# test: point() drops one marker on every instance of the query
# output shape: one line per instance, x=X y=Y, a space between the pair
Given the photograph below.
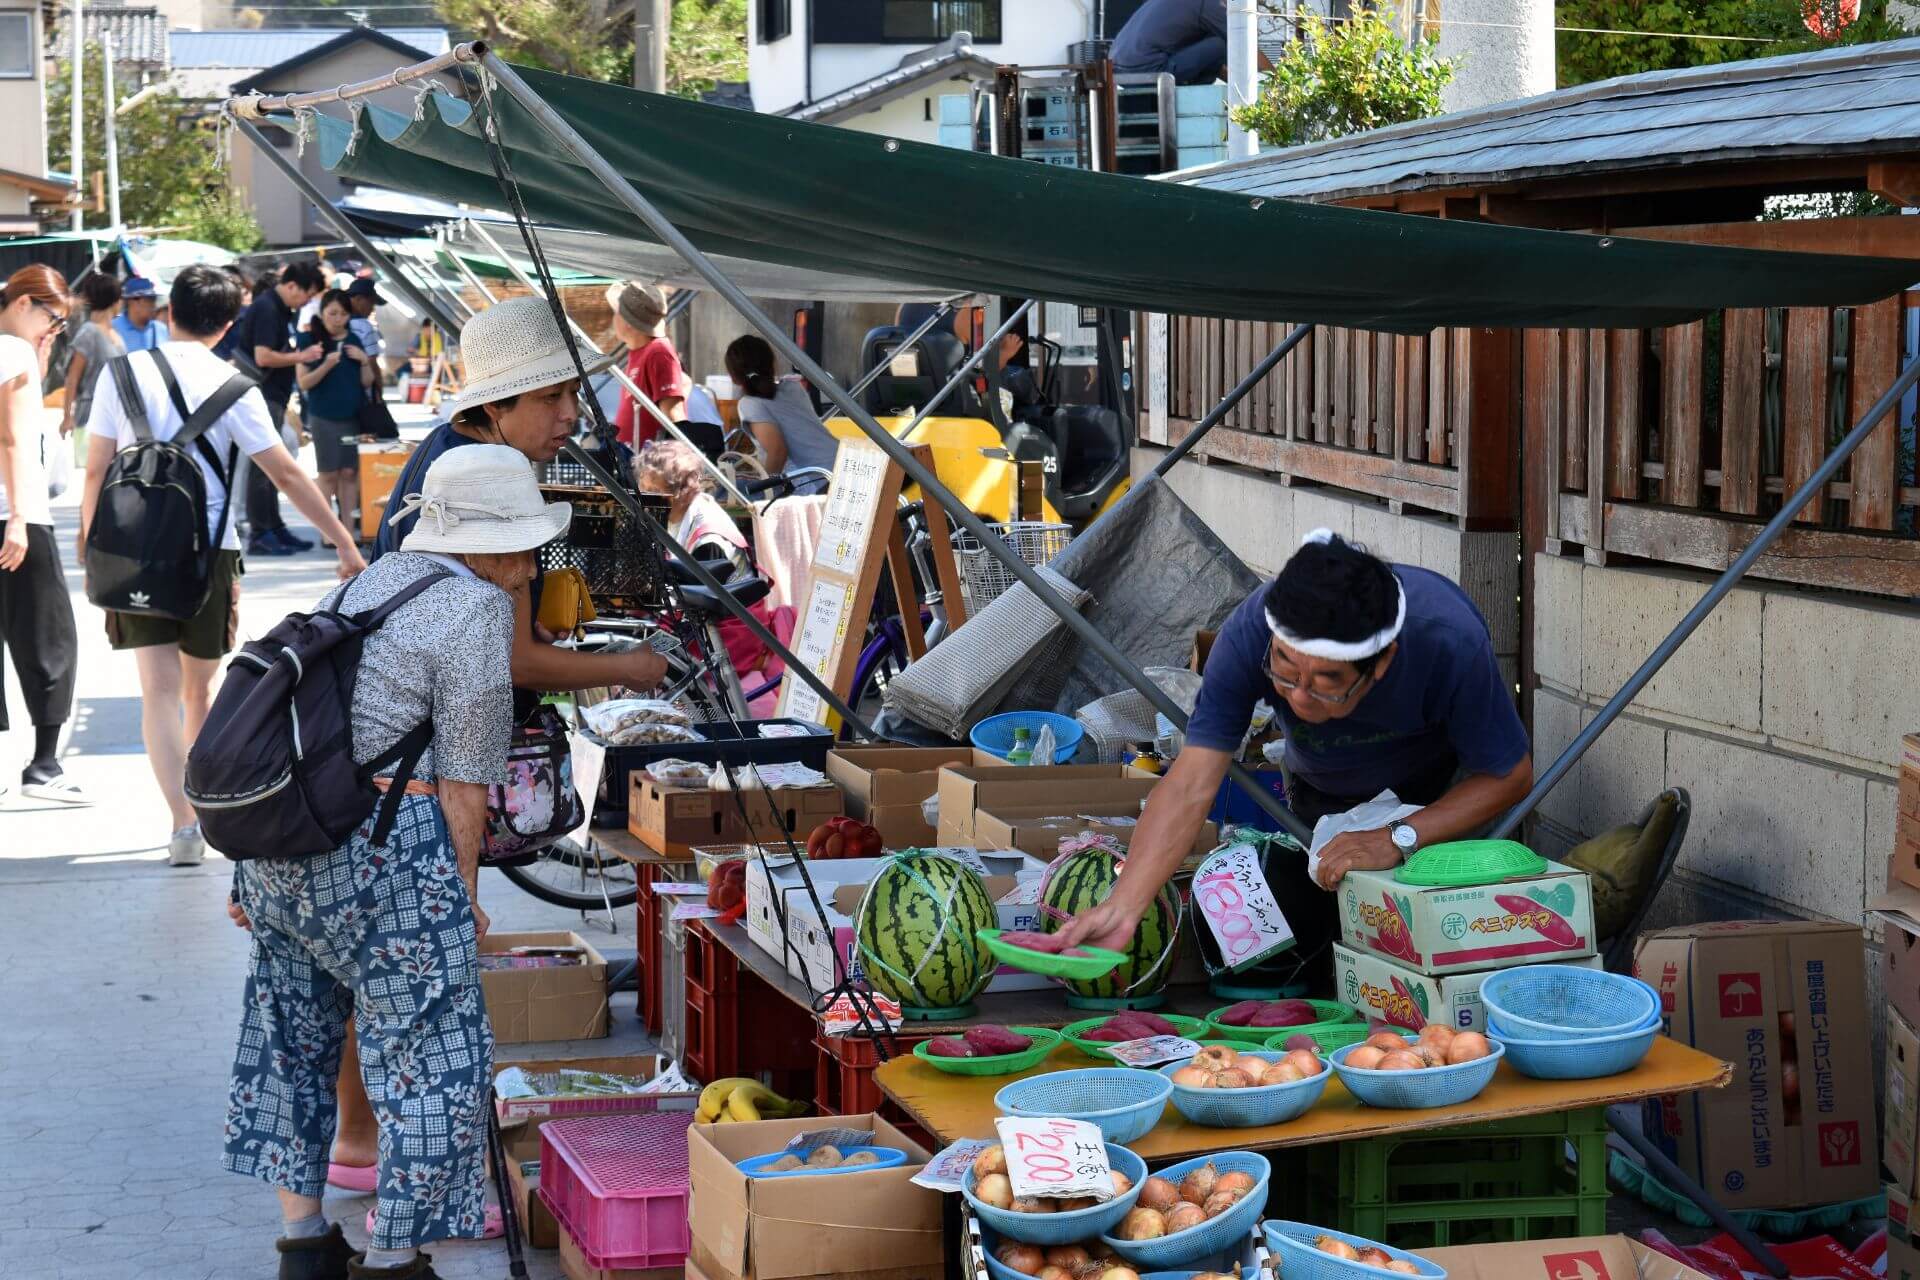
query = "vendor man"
x=1385 y=678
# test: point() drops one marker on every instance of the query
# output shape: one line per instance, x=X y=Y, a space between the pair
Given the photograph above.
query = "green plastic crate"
x=1478 y=1184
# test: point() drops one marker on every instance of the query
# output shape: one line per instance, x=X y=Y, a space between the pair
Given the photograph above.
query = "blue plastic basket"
x=1575 y=1059
x=756 y=1166
x=1557 y=1001
x=1124 y=1103
x=1064 y=1228
x=1189 y=1247
x=995 y=733
x=1245 y=1108
x=1291 y=1244
x=1418 y=1089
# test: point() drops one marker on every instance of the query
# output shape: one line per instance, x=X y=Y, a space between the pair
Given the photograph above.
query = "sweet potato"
x=1241 y=1015
x=1157 y=1024
x=1032 y=941
x=1108 y=1034
x=949 y=1047
x=992 y=1041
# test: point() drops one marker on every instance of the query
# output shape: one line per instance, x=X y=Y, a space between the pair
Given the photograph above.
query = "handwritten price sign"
x=1055 y=1158
x=1230 y=891
x=1153 y=1050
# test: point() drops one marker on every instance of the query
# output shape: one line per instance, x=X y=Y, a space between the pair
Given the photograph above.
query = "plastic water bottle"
x=1022 y=752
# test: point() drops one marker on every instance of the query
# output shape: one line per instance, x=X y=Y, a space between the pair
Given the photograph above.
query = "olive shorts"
x=209 y=633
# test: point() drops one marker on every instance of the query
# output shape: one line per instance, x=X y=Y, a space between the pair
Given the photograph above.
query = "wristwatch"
x=1404 y=838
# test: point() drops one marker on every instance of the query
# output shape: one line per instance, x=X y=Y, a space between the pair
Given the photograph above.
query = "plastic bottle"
x=1141 y=755
x=1022 y=752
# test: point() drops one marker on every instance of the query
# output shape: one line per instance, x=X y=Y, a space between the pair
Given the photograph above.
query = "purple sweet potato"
x=1108 y=1034
x=1159 y=1025
x=1285 y=1013
x=1241 y=1015
x=949 y=1047
x=1047 y=942
x=992 y=1041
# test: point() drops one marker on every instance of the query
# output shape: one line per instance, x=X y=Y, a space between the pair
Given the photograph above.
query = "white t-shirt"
x=19 y=359
x=200 y=374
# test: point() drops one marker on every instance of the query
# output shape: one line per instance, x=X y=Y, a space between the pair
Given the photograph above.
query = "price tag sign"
x=1153 y=1050
x=677 y=889
x=695 y=911
x=842 y=1016
x=1232 y=896
x=1055 y=1158
x=947 y=1171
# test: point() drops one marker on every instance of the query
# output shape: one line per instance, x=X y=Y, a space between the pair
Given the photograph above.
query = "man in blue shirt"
x=136 y=324
x=1384 y=677
x=1186 y=38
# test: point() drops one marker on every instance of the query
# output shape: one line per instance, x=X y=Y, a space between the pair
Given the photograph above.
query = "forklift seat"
x=913 y=375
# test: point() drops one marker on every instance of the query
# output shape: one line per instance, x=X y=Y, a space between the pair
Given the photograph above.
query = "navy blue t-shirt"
x=1443 y=690
x=1161 y=28
x=438 y=441
x=338 y=395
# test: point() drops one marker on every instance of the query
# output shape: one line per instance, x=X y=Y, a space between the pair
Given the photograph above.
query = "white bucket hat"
x=481 y=499
x=511 y=348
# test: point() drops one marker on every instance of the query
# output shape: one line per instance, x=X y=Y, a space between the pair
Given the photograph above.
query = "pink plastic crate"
x=618 y=1184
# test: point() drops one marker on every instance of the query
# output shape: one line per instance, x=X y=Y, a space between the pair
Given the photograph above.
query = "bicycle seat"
x=747 y=591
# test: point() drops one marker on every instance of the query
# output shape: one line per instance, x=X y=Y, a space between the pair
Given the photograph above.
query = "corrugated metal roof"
x=256 y=50
x=139 y=34
x=1860 y=99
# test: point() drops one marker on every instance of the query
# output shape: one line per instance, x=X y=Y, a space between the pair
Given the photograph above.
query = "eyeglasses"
x=1285 y=685
x=59 y=318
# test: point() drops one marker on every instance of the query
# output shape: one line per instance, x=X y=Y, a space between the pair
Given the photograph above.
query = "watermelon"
x=1081 y=881
x=916 y=929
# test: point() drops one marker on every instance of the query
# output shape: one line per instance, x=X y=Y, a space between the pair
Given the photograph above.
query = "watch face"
x=1404 y=836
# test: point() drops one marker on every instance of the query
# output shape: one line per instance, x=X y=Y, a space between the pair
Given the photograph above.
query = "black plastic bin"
x=722 y=743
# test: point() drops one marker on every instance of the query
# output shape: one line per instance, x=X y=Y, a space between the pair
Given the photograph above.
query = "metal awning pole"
x=926 y=327
x=1219 y=412
x=429 y=308
x=572 y=449
x=930 y=485
x=619 y=375
x=965 y=371
x=1790 y=507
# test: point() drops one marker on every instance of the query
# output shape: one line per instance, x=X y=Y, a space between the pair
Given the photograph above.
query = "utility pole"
x=1243 y=72
x=113 y=141
x=652 y=20
x=75 y=125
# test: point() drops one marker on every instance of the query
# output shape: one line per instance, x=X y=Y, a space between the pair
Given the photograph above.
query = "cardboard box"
x=674 y=820
x=575 y=1265
x=1066 y=787
x=1899 y=1214
x=1900 y=1139
x=1904 y=865
x=1437 y=931
x=778 y=873
x=537 y=1222
x=785 y=1228
x=1899 y=909
x=1013 y=883
x=521 y=1118
x=1766 y=996
x=530 y=1005
x=1201 y=651
x=1037 y=829
x=1587 y=1258
x=886 y=786
x=1379 y=988
x=1903 y=1260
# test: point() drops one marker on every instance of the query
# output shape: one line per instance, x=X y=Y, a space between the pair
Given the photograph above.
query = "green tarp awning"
x=835 y=200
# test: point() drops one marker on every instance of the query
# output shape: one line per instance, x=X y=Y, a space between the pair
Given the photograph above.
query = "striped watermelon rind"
x=1083 y=880
x=916 y=930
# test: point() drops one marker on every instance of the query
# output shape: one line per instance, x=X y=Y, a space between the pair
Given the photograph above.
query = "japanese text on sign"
x=948 y=1170
x=1055 y=1158
x=1230 y=891
x=1153 y=1050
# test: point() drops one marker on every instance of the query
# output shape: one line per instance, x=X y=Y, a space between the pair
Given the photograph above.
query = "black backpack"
x=272 y=773
x=147 y=550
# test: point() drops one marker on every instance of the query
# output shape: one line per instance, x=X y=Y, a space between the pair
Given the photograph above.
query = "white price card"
x=1153 y=1050
x=947 y=1171
x=678 y=889
x=1055 y=1158
x=843 y=1016
x=695 y=911
x=589 y=761
x=1231 y=893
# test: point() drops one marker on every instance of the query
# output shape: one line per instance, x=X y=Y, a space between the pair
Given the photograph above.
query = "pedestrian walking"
x=36 y=614
x=377 y=943
x=266 y=341
x=364 y=296
x=94 y=343
x=178 y=658
x=138 y=324
x=334 y=385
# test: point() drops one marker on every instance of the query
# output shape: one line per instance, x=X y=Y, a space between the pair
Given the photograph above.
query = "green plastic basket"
x=1098 y=962
x=1194 y=1029
x=1331 y=1035
x=1469 y=862
x=1330 y=1011
x=1045 y=1041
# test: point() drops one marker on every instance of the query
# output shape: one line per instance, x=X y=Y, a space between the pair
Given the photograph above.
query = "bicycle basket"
x=624 y=567
x=983 y=578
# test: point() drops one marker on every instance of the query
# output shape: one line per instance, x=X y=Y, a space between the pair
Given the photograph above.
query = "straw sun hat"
x=482 y=499
x=509 y=349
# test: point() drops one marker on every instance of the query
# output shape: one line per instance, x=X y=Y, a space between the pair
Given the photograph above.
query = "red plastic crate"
x=710 y=966
x=712 y=1050
x=619 y=1186
x=843 y=1075
x=648 y=942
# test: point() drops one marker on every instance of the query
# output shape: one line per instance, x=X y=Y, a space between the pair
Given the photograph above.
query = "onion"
x=1219 y=1202
x=1075 y=1204
x=1185 y=1215
x=1235 y=1181
x=1437 y=1033
x=1119 y=1273
x=1024 y=1258
x=1032 y=1204
x=1141 y=1224
x=1252 y=1063
x=994 y=1189
x=1070 y=1256
x=1198 y=1185
x=1233 y=1078
x=1056 y=1273
x=1308 y=1063
x=1403 y=1060
x=1216 y=1057
x=992 y=1160
x=1375 y=1257
x=1158 y=1194
x=1337 y=1247
x=1365 y=1058
x=1281 y=1073
x=1193 y=1077
x=1387 y=1041
x=1468 y=1046
x=1403 y=1266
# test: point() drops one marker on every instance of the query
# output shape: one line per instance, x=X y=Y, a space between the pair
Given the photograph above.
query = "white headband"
x=1342 y=650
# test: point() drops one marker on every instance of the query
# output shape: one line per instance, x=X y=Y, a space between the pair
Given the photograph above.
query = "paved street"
x=121 y=999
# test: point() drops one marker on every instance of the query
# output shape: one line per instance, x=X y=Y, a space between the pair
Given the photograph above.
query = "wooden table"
x=950 y=1107
x=627 y=847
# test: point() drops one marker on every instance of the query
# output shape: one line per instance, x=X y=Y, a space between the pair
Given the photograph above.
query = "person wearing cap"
x=135 y=324
x=392 y=932
x=640 y=321
x=1384 y=677
x=363 y=297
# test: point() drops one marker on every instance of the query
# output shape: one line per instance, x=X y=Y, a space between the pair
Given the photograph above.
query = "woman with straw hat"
x=390 y=934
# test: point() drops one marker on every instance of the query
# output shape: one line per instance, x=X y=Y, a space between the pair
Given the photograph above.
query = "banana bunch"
x=738 y=1099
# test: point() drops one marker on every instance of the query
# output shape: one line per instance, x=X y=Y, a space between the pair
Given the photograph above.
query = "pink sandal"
x=493 y=1229
x=361 y=1179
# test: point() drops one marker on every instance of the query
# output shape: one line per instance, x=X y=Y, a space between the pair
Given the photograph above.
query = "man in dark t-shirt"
x=265 y=342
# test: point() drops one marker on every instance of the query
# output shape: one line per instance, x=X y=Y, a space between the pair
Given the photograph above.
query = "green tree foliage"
x=707 y=42
x=169 y=163
x=1585 y=55
x=1342 y=78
